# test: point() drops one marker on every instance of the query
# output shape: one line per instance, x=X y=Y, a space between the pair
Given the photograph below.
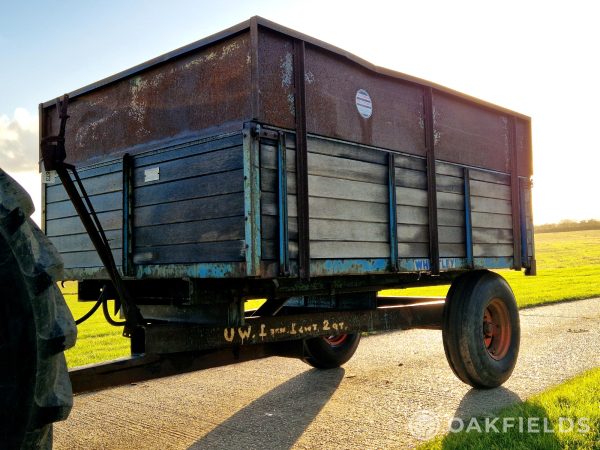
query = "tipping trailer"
x=260 y=163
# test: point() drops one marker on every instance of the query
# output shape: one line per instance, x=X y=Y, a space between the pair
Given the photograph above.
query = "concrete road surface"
x=396 y=389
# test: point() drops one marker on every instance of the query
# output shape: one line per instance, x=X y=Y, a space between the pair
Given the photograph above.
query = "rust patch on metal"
x=200 y=90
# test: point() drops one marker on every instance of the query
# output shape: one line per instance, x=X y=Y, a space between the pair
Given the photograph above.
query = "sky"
x=538 y=58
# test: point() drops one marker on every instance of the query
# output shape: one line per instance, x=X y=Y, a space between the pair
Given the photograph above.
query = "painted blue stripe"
x=468 y=222
x=282 y=210
x=348 y=266
x=504 y=262
x=199 y=270
x=393 y=220
x=251 y=152
x=522 y=218
x=324 y=267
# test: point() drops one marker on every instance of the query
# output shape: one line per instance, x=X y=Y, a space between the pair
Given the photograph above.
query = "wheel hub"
x=336 y=340
x=496 y=329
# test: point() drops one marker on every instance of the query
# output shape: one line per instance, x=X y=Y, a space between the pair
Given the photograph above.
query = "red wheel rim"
x=336 y=341
x=496 y=329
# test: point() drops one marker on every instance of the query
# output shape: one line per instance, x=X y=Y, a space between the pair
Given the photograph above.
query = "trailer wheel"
x=329 y=352
x=35 y=327
x=481 y=330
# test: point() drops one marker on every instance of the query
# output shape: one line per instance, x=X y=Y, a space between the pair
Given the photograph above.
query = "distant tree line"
x=568 y=225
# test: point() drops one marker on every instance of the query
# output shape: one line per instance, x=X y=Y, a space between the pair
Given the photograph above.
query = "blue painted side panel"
x=282 y=209
x=348 y=266
x=201 y=270
x=393 y=208
x=468 y=219
x=251 y=152
x=523 y=225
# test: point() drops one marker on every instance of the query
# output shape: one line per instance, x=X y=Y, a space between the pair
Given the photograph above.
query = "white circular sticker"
x=364 y=103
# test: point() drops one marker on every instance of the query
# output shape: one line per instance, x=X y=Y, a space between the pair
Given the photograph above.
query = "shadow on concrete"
x=489 y=403
x=289 y=409
x=478 y=402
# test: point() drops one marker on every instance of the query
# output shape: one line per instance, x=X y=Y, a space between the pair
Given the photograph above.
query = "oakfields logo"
x=425 y=424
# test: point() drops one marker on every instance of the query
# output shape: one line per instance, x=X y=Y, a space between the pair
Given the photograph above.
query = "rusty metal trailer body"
x=262 y=163
x=183 y=158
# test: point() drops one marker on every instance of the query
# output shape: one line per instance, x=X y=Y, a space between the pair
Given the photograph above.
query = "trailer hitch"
x=53 y=156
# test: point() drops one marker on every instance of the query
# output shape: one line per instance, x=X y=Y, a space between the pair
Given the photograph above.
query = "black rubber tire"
x=319 y=353
x=36 y=327
x=467 y=300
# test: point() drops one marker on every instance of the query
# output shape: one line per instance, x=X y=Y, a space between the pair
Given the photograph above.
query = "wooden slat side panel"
x=112 y=220
x=413 y=250
x=490 y=177
x=348 y=201
x=86 y=259
x=209 y=230
x=269 y=250
x=96 y=185
x=450 y=184
x=111 y=201
x=410 y=162
x=269 y=206
x=412 y=215
x=346 y=150
x=490 y=190
x=346 y=231
x=451 y=201
x=491 y=205
x=411 y=197
x=268 y=181
x=413 y=233
x=528 y=220
x=103 y=184
x=194 y=211
x=222 y=206
x=193 y=166
x=269 y=227
x=334 y=167
x=194 y=148
x=82 y=242
x=341 y=249
x=451 y=218
x=326 y=187
x=190 y=253
x=492 y=236
x=492 y=250
x=452 y=250
x=410 y=178
x=190 y=188
x=488 y=220
x=268 y=158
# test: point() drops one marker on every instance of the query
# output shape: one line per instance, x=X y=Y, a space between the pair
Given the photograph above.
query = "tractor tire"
x=36 y=327
x=330 y=352
x=481 y=330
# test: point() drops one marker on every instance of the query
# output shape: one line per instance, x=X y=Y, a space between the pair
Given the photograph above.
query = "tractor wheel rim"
x=337 y=340
x=496 y=329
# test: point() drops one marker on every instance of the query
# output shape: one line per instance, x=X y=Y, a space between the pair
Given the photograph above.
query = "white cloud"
x=19 y=141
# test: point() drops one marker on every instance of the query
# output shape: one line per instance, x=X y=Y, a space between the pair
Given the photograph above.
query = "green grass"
x=96 y=340
x=568 y=269
x=576 y=399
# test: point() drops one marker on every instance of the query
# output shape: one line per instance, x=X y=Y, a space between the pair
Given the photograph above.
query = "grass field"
x=577 y=400
x=568 y=269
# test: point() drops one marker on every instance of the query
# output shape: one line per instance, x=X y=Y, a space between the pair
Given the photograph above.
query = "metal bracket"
x=54 y=155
